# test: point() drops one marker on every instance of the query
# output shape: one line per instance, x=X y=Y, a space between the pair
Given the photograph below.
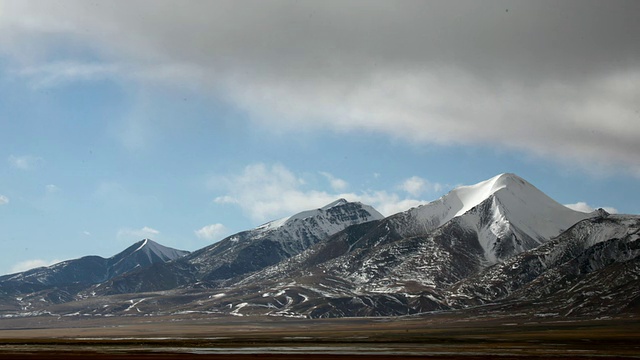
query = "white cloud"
x=580 y=206
x=268 y=192
x=145 y=232
x=385 y=202
x=416 y=186
x=32 y=264
x=24 y=162
x=211 y=232
x=586 y=208
x=413 y=185
x=4 y=200
x=86 y=233
x=336 y=183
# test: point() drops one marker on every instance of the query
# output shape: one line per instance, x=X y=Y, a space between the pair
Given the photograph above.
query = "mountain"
x=414 y=256
x=141 y=255
x=247 y=251
x=508 y=214
x=406 y=263
x=592 y=268
x=500 y=248
x=61 y=280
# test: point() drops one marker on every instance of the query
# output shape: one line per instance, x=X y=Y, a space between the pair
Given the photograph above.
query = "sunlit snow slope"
x=498 y=209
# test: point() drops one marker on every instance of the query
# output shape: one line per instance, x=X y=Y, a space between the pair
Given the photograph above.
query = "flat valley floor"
x=435 y=336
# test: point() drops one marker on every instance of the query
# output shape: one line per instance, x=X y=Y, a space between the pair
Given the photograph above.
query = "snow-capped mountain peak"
x=151 y=247
x=266 y=245
x=334 y=206
x=141 y=254
x=519 y=218
x=512 y=189
x=505 y=207
x=460 y=200
x=149 y=250
x=532 y=210
x=467 y=197
x=142 y=245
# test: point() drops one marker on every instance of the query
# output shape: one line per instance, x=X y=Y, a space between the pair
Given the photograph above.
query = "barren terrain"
x=439 y=336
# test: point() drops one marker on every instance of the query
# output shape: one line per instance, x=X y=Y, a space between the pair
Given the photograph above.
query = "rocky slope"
x=63 y=281
x=501 y=246
x=220 y=264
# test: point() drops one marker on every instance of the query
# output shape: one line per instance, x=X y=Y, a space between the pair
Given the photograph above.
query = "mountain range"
x=501 y=246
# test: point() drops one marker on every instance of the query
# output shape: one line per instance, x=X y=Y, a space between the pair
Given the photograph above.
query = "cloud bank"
x=266 y=192
x=211 y=232
x=586 y=208
x=416 y=186
x=556 y=80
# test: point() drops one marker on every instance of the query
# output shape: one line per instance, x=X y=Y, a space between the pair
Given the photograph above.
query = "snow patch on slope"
x=272 y=225
x=144 y=243
x=460 y=200
x=150 y=247
x=467 y=197
x=538 y=215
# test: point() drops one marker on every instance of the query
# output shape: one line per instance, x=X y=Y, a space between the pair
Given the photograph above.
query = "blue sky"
x=130 y=119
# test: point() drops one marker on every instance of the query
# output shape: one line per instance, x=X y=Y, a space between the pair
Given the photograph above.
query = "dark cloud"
x=526 y=39
x=556 y=78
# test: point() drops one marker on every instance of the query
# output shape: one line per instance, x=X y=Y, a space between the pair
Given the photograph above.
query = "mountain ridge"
x=248 y=251
x=501 y=241
x=60 y=281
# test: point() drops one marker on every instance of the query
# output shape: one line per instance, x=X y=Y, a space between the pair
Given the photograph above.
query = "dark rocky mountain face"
x=141 y=255
x=500 y=245
x=62 y=282
x=592 y=268
x=407 y=262
x=222 y=263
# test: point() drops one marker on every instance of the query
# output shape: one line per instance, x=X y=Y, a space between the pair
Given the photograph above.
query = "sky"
x=188 y=121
